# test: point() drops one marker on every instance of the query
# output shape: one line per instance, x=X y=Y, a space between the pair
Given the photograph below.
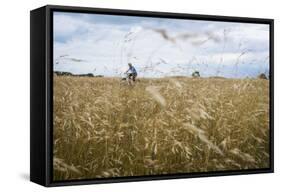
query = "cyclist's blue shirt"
x=133 y=70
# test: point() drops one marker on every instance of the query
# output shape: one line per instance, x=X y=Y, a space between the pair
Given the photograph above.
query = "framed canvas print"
x=123 y=95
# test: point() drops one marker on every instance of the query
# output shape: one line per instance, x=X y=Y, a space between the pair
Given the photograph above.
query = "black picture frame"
x=41 y=93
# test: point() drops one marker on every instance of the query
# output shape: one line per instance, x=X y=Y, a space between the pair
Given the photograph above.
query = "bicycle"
x=129 y=79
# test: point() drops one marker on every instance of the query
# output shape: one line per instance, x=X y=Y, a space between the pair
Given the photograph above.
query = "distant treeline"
x=194 y=75
x=61 y=73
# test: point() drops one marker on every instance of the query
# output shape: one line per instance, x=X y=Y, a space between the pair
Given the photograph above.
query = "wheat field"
x=158 y=126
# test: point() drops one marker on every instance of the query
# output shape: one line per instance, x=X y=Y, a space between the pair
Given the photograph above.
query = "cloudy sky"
x=157 y=47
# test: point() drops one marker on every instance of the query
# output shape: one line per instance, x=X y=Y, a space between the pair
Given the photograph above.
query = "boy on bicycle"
x=132 y=72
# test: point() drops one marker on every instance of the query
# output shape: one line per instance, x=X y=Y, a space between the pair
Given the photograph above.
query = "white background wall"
x=14 y=94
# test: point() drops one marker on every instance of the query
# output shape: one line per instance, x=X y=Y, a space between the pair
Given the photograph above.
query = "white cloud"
x=106 y=48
